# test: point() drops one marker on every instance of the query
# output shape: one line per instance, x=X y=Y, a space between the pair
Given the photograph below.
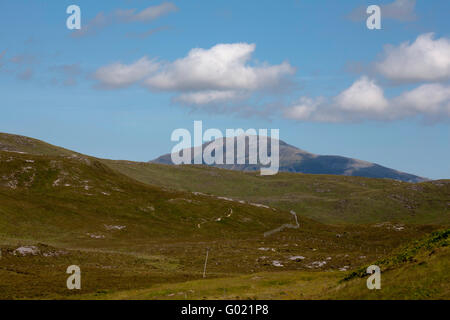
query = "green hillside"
x=325 y=198
x=22 y=144
x=70 y=196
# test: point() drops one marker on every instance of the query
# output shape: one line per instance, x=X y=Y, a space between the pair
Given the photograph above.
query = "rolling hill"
x=326 y=198
x=22 y=144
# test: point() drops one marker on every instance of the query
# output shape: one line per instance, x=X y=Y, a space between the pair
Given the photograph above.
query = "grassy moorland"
x=416 y=271
x=325 y=198
x=134 y=237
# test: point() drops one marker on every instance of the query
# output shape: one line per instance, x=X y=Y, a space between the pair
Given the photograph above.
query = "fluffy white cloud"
x=220 y=74
x=118 y=75
x=363 y=96
x=431 y=99
x=426 y=59
x=365 y=100
x=223 y=67
x=304 y=108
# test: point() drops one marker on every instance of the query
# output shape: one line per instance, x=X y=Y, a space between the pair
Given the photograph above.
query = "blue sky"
x=120 y=86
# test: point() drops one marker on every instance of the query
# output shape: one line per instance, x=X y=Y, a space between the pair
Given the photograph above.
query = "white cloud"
x=148 y=14
x=304 y=108
x=223 y=71
x=118 y=75
x=222 y=67
x=432 y=99
x=426 y=59
x=220 y=74
x=98 y=22
x=102 y=20
x=363 y=96
x=400 y=10
x=365 y=100
x=208 y=97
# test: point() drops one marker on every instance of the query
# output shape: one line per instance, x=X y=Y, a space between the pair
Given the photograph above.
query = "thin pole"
x=206 y=261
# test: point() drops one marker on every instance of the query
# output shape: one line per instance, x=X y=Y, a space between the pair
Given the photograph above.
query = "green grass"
x=423 y=276
x=325 y=198
x=12 y=142
x=419 y=270
x=52 y=198
x=409 y=253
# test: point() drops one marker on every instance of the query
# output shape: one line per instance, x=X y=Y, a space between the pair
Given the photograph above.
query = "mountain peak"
x=293 y=159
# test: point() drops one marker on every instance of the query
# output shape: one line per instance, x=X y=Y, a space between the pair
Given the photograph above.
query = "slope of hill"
x=325 y=198
x=416 y=271
x=293 y=159
x=22 y=144
x=76 y=196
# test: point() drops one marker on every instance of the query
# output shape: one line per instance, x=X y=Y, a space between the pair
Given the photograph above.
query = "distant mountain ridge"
x=293 y=159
